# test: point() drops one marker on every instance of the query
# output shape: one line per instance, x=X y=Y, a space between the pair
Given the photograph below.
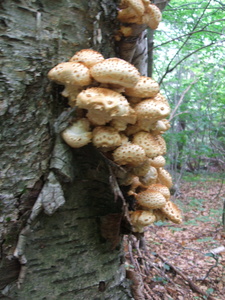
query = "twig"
x=216 y=257
x=170 y=69
x=181 y=99
x=191 y=33
x=192 y=285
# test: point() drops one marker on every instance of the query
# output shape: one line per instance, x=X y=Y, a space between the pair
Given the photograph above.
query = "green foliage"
x=159 y=279
x=189 y=63
x=202 y=176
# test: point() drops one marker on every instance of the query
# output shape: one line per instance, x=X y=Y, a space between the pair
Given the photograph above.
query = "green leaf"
x=166 y=267
x=209 y=254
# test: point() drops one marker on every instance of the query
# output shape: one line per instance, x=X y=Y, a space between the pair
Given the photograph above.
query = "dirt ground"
x=185 y=261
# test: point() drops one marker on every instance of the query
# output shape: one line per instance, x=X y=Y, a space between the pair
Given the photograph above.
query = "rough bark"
x=67 y=257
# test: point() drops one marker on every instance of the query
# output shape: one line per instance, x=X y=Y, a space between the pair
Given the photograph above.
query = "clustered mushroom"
x=140 y=12
x=124 y=115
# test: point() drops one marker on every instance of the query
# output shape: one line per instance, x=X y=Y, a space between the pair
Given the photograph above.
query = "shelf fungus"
x=124 y=116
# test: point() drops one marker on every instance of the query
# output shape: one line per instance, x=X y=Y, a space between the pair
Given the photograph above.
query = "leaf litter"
x=185 y=261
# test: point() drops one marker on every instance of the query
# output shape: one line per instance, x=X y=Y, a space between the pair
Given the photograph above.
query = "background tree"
x=189 y=63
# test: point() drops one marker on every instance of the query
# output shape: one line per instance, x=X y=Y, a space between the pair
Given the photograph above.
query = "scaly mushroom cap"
x=123 y=140
x=161 y=189
x=158 y=161
x=137 y=6
x=105 y=136
x=70 y=73
x=78 y=134
x=115 y=71
x=128 y=15
x=154 y=145
x=129 y=154
x=172 y=212
x=151 y=199
x=165 y=178
x=88 y=57
x=160 y=126
x=146 y=87
x=150 y=177
x=102 y=104
x=141 y=218
x=159 y=97
x=152 y=110
x=152 y=16
x=130 y=11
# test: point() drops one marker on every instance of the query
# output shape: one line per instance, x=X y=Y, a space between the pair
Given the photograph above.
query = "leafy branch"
x=168 y=70
x=191 y=33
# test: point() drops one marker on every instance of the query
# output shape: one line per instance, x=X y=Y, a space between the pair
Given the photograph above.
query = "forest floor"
x=185 y=261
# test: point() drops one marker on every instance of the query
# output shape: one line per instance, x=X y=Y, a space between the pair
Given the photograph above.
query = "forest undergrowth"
x=185 y=261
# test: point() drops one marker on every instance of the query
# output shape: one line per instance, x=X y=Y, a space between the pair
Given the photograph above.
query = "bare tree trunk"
x=66 y=256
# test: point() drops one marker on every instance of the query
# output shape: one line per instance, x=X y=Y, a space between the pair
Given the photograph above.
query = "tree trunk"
x=67 y=257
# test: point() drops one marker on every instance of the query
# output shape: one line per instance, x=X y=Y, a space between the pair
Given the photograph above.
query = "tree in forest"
x=192 y=35
x=66 y=255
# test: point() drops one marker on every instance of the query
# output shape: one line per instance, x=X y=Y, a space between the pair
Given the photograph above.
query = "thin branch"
x=216 y=257
x=181 y=100
x=186 y=56
x=184 y=43
x=181 y=113
x=190 y=33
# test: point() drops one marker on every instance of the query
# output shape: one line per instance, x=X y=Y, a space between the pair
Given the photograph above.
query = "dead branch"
x=216 y=257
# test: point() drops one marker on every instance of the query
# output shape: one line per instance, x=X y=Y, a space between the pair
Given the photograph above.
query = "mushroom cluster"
x=124 y=115
x=140 y=12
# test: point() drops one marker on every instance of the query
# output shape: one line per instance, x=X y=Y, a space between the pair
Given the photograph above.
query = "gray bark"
x=67 y=258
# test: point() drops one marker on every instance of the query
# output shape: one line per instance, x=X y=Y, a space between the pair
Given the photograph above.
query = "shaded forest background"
x=189 y=63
